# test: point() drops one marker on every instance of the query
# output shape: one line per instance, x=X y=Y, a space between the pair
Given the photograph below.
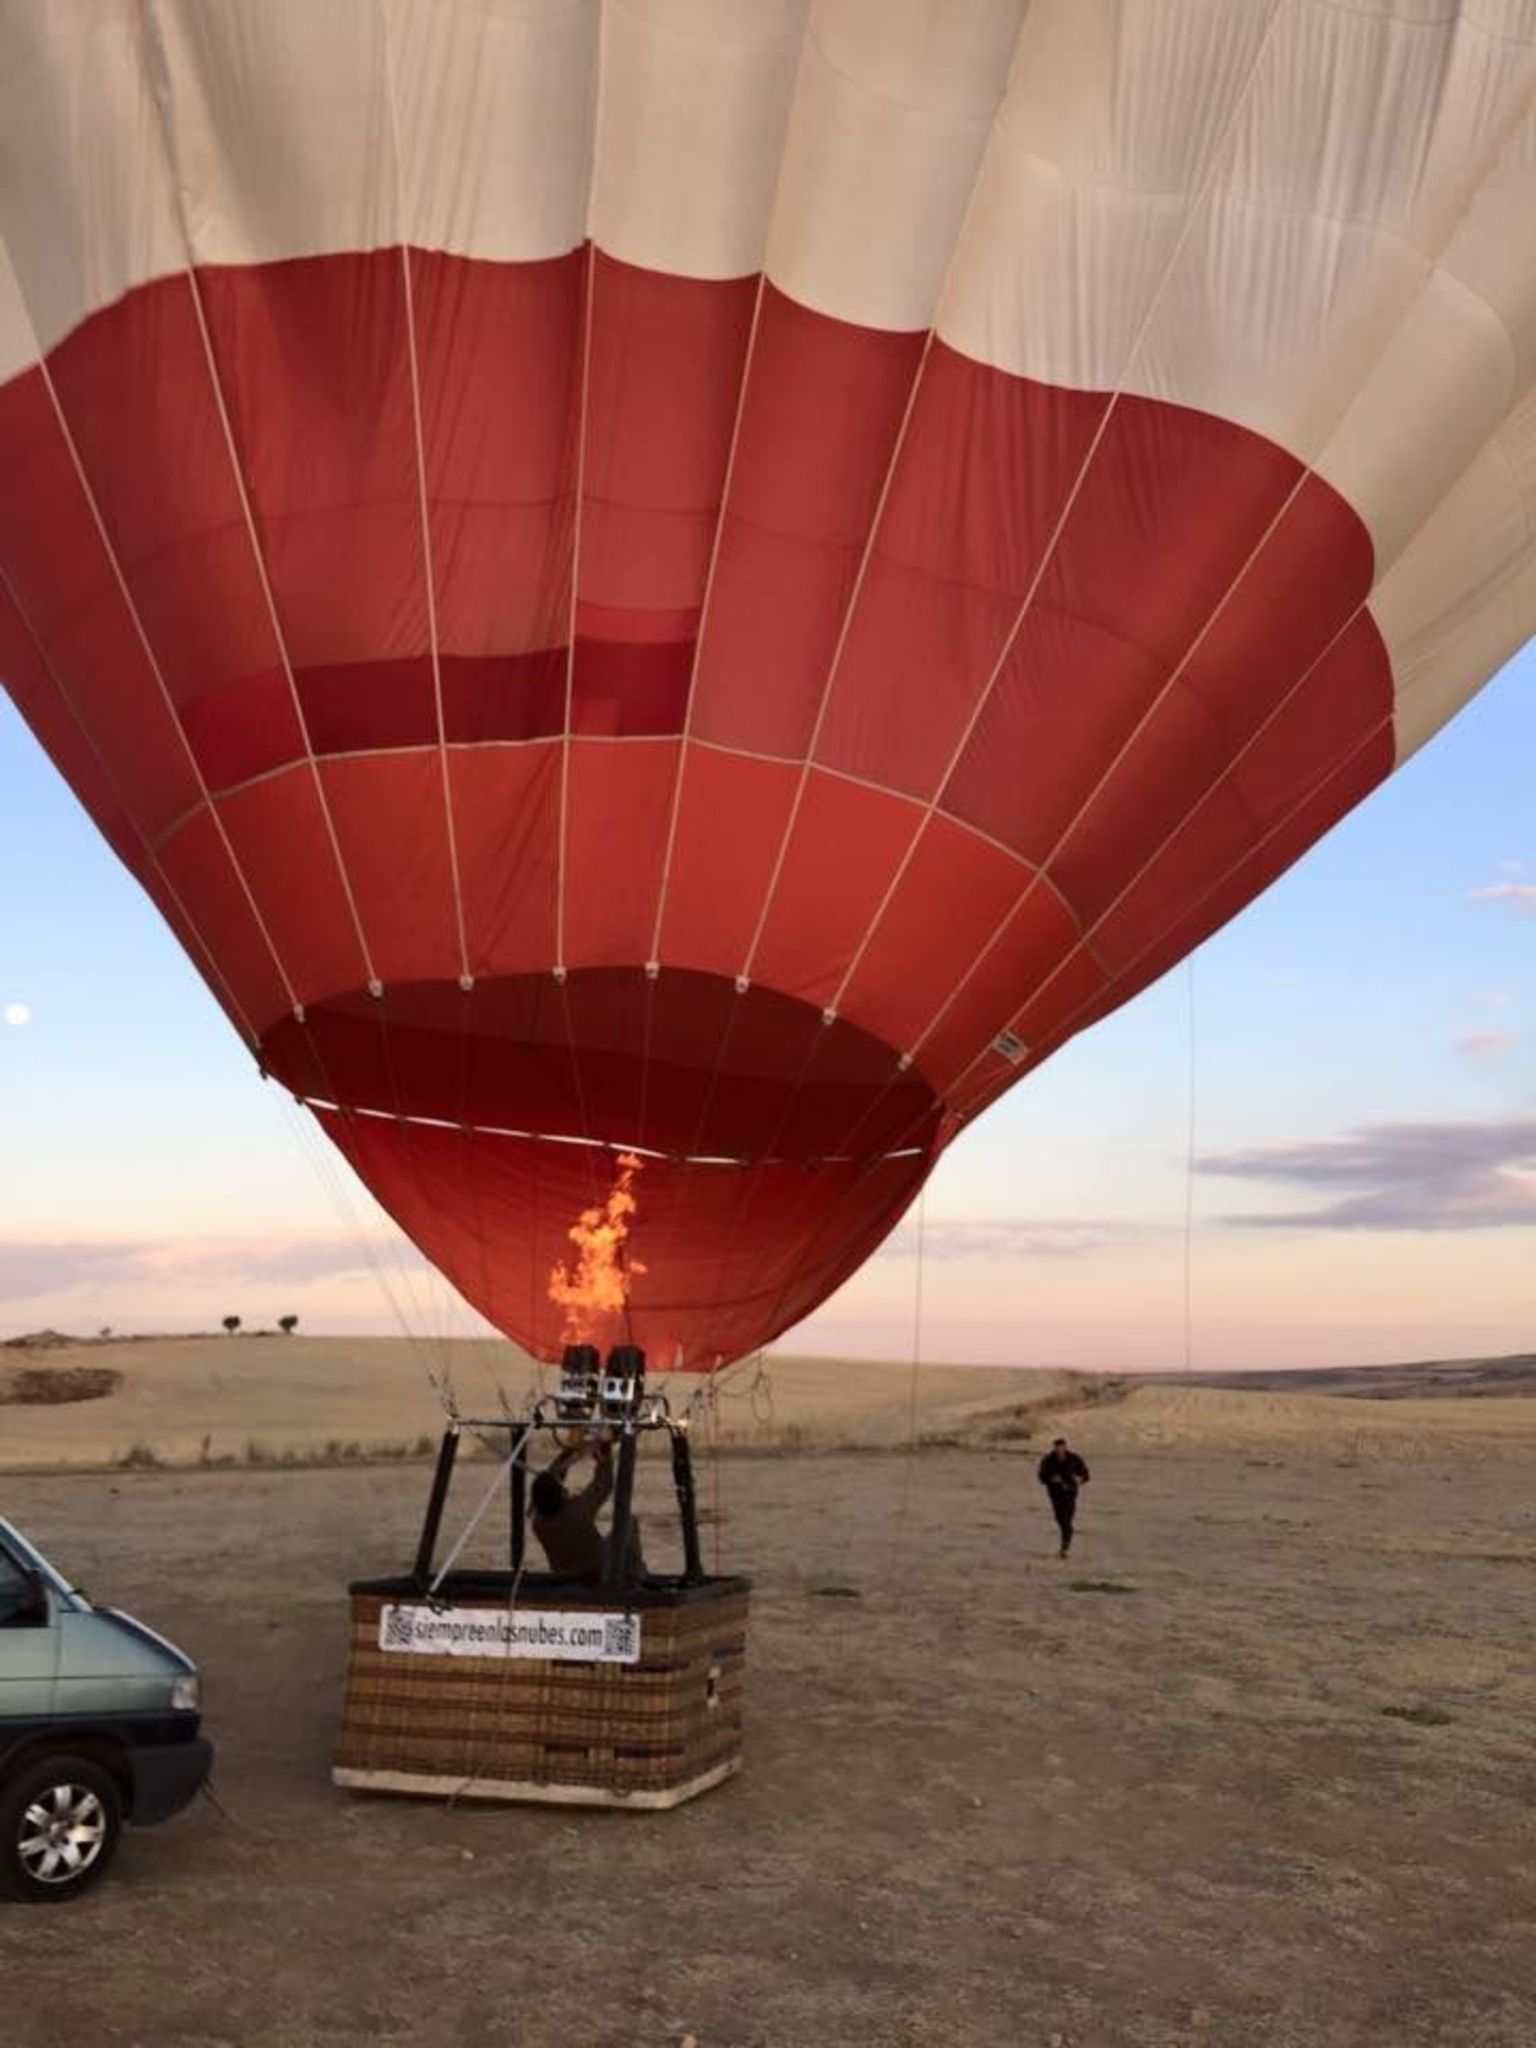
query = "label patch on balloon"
x=575 y=1637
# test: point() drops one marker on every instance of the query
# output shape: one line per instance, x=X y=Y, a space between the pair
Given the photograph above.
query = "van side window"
x=16 y=1597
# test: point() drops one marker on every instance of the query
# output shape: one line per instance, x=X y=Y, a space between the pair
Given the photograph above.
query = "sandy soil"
x=1163 y=1796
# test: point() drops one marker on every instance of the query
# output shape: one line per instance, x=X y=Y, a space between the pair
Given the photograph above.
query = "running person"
x=1061 y=1473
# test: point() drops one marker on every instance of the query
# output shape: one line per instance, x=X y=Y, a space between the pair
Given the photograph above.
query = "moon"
x=17 y=1014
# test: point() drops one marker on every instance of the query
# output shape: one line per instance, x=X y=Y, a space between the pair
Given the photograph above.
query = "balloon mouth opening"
x=777 y=1148
x=683 y=1065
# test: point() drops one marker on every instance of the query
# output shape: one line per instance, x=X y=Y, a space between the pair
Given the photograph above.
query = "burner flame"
x=593 y=1289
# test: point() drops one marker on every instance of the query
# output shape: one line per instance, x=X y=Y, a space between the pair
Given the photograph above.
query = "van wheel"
x=60 y=1818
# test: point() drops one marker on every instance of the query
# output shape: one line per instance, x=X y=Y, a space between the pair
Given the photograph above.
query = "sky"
x=1315 y=1144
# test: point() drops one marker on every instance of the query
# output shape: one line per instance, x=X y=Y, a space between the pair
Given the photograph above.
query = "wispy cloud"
x=1520 y=896
x=1400 y=1176
x=1486 y=1045
x=30 y=1269
x=1011 y=1238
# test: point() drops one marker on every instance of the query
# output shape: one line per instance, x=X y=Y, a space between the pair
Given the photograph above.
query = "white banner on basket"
x=576 y=1637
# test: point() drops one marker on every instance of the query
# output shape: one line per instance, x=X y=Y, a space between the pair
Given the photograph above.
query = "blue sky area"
x=1364 y=1119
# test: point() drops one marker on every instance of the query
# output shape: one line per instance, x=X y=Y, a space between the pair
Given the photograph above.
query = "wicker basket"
x=652 y=1718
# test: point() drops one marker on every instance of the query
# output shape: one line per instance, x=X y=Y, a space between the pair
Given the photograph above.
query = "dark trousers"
x=1063 y=1507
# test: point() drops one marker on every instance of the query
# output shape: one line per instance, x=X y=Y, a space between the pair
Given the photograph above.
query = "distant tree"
x=287 y=1324
x=231 y=1324
x=105 y=1330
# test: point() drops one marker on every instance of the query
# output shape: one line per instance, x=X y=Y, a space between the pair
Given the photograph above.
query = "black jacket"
x=1062 y=1475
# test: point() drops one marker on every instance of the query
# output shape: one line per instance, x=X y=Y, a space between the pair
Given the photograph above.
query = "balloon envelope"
x=719 y=577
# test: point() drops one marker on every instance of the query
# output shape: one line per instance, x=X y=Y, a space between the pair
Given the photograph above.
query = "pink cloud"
x=1398 y=1176
x=1520 y=896
x=1485 y=1045
x=1001 y=1237
x=33 y=1267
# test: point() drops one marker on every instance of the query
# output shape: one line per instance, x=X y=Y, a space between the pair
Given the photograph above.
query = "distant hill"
x=1425 y=1380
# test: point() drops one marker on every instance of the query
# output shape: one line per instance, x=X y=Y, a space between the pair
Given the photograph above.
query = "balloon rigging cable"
x=1189 y=1171
x=425 y=1330
x=909 y=1462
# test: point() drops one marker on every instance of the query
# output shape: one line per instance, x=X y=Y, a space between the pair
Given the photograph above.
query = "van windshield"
x=16 y=1597
x=18 y=1556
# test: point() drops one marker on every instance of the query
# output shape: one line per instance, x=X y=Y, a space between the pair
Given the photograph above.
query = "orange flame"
x=594 y=1292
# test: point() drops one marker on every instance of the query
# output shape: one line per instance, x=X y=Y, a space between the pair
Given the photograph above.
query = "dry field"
x=253 y=1399
x=261 y=1399
x=1253 y=1770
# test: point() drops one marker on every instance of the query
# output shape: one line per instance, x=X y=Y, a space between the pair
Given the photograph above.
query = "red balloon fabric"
x=720 y=583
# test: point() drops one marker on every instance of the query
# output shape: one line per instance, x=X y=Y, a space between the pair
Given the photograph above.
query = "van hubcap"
x=62 y=1833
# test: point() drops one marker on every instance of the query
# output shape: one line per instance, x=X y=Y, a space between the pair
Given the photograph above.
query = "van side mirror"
x=30 y=1606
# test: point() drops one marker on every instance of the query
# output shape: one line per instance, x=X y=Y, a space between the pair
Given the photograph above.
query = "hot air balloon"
x=719 y=577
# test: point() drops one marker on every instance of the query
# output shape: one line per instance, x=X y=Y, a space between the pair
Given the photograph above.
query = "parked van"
x=98 y=1727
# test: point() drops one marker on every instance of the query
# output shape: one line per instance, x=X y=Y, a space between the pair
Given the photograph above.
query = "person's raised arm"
x=600 y=1485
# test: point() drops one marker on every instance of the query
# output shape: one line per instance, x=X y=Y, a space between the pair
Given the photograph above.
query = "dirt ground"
x=1166 y=1793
